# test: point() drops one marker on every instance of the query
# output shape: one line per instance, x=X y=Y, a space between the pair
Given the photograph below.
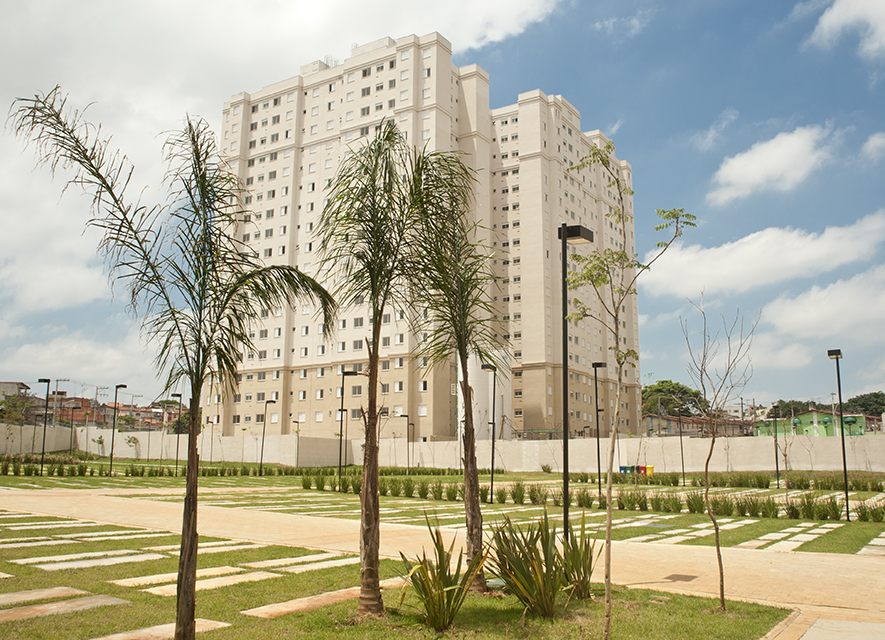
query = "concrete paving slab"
x=163 y=631
x=100 y=562
x=751 y=544
x=74 y=556
x=38 y=543
x=784 y=545
x=286 y=562
x=776 y=535
x=845 y=630
x=54 y=525
x=234 y=547
x=804 y=537
x=62 y=606
x=5 y=575
x=27 y=539
x=314 y=566
x=17 y=597
x=134 y=536
x=215 y=583
x=162 y=578
x=314 y=602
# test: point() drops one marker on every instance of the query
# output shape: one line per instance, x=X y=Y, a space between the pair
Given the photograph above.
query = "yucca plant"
x=408 y=487
x=517 y=492
x=440 y=589
x=537 y=494
x=807 y=506
x=673 y=503
x=579 y=557
x=423 y=489
x=437 y=489
x=396 y=486
x=530 y=564
x=695 y=502
x=862 y=511
x=501 y=495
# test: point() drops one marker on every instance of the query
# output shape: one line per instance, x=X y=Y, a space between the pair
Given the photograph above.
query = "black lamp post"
x=596 y=367
x=45 y=414
x=494 y=370
x=263 y=431
x=114 y=427
x=568 y=234
x=177 y=427
x=836 y=354
x=344 y=374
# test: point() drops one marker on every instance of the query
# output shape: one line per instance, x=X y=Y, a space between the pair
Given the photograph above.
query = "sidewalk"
x=837 y=596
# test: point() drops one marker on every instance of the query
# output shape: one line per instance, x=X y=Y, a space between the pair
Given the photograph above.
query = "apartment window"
x=385 y=388
x=400 y=338
x=379 y=106
x=425 y=53
x=357 y=322
x=357 y=345
x=366 y=91
x=364 y=112
x=404 y=74
x=367 y=72
x=422 y=409
x=385 y=341
x=356 y=390
x=426 y=73
x=422 y=385
x=259 y=397
x=364 y=131
x=318 y=416
x=379 y=86
x=303 y=351
x=398 y=363
x=319 y=394
x=398 y=386
x=262 y=355
x=385 y=365
x=259 y=418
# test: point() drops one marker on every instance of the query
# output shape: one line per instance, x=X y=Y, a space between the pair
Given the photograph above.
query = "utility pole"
x=98 y=393
x=55 y=400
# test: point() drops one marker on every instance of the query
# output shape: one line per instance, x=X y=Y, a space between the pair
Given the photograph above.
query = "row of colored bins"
x=642 y=470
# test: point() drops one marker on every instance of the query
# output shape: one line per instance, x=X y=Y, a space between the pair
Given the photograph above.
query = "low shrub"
x=437 y=489
x=672 y=503
x=769 y=508
x=305 y=480
x=320 y=482
x=656 y=501
x=396 y=486
x=807 y=506
x=501 y=495
x=451 y=492
x=517 y=492
x=694 y=501
x=546 y=468
x=537 y=494
x=383 y=486
x=483 y=493
x=722 y=505
x=830 y=509
x=408 y=487
x=423 y=489
x=792 y=511
x=877 y=513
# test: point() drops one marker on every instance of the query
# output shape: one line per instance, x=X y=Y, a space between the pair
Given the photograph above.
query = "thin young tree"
x=195 y=287
x=364 y=236
x=719 y=365
x=454 y=290
x=611 y=275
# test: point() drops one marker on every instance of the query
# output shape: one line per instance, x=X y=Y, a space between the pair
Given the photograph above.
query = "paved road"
x=840 y=597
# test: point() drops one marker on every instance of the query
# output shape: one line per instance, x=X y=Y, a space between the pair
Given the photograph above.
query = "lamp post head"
x=176 y=395
x=834 y=354
x=349 y=373
x=489 y=367
x=120 y=386
x=270 y=402
x=576 y=234
x=598 y=365
x=43 y=380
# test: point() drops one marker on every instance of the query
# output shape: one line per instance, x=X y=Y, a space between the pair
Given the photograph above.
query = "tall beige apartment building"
x=285 y=143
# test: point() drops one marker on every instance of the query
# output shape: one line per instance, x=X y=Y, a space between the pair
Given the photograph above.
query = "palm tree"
x=194 y=286
x=370 y=233
x=454 y=289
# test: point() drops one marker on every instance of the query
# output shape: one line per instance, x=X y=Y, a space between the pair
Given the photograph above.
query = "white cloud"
x=613 y=128
x=847 y=309
x=779 y=164
x=874 y=147
x=763 y=258
x=810 y=7
x=629 y=26
x=867 y=17
x=705 y=140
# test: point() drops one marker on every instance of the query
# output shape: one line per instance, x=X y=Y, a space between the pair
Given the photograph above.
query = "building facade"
x=285 y=143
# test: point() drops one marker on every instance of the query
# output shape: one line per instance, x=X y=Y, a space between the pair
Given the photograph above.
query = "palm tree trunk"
x=370 y=602
x=186 y=608
x=472 y=508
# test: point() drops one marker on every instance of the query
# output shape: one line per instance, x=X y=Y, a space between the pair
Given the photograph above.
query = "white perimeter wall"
x=809 y=453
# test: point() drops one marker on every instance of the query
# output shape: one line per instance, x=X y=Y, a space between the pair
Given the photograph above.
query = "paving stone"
x=27 y=539
x=776 y=535
x=285 y=562
x=672 y=540
x=301 y=568
x=38 y=543
x=751 y=544
x=804 y=537
x=314 y=602
x=162 y=578
x=877 y=542
x=784 y=545
x=62 y=606
x=17 y=597
x=100 y=562
x=74 y=556
x=163 y=631
x=92 y=534
x=54 y=525
x=215 y=583
x=872 y=551
x=5 y=575
x=134 y=536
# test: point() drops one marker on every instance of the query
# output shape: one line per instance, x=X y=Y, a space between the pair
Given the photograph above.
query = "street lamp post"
x=836 y=354
x=596 y=367
x=777 y=464
x=494 y=370
x=177 y=427
x=681 y=449
x=568 y=234
x=114 y=427
x=344 y=374
x=263 y=431
x=45 y=414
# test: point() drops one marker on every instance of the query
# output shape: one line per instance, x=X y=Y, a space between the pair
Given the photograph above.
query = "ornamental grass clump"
x=440 y=589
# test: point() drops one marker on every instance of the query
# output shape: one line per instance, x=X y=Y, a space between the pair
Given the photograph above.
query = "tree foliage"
x=869 y=404
x=17 y=408
x=669 y=398
x=611 y=275
x=195 y=287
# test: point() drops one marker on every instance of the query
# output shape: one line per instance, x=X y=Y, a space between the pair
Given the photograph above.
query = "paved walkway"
x=838 y=597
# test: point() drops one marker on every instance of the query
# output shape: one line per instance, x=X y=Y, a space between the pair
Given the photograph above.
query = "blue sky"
x=763 y=119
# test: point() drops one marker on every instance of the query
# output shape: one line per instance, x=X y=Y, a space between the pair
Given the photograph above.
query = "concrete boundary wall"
x=806 y=453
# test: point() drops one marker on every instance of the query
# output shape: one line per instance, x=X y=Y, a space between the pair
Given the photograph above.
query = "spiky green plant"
x=579 y=556
x=440 y=587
